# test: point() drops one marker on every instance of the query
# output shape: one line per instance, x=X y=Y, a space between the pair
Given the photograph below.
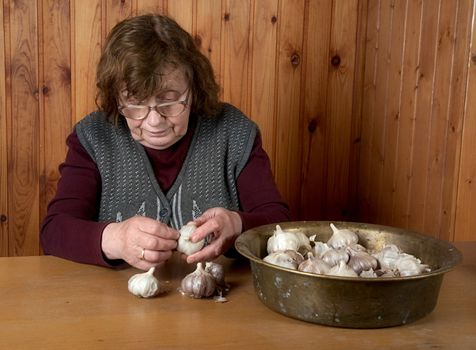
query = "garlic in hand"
x=198 y=284
x=342 y=238
x=184 y=244
x=144 y=285
x=286 y=240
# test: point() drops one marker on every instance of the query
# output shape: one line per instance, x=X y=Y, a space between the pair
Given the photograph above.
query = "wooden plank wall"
x=417 y=158
x=366 y=107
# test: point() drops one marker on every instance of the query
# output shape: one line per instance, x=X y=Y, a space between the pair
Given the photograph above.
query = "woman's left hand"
x=222 y=227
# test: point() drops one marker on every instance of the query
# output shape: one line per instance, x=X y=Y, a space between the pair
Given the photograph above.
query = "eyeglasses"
x=167 y=109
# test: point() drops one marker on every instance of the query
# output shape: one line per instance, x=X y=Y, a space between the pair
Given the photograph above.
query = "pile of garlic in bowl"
x=397 y=263
x=340 y=255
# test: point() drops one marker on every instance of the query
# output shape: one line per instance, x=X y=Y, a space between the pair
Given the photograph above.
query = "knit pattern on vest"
x=218 y=153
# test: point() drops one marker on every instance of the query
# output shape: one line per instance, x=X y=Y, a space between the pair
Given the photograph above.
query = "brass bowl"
x=353 y=302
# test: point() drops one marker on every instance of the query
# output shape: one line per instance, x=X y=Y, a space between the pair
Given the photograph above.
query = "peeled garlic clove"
x=144 y=285
x=362 y=261
x=333 y=256
x=198 y=284
x=342 y=238
x=216 y=270
x=184 y=244
x=342 y=269
x=289 y=259
x=314 y=265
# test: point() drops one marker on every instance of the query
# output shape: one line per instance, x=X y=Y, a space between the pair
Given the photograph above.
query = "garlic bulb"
x=320 y=248
x=408 y=265
x=333 y=256
x=342 y=238
x=198 y=284
x=287 y=240
x=289 y=259
x=144 y=285
x=314 y=265
x=184 y=244
x=342 y=269
x=370 y=273
x=216 y=270
x=362 y=261
x=388 y=256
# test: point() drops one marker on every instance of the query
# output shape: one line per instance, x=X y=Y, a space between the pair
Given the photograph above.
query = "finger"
x=156 y=228
x=209 y=227
x=155 y=256
x=208 y=253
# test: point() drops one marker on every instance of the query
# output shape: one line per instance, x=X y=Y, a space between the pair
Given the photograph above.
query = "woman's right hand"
x=141 y=241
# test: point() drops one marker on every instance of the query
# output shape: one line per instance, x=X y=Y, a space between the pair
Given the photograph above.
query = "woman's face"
x=158 y=131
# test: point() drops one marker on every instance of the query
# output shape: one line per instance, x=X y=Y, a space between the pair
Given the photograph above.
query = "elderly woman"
x=161 y=151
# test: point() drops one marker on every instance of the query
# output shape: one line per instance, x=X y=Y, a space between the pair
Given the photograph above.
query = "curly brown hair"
x=138 y=49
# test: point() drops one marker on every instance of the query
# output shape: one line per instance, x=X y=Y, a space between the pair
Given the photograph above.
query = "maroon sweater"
x=70 y=229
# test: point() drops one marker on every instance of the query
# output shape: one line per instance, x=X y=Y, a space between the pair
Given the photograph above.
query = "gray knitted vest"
x=218 y=152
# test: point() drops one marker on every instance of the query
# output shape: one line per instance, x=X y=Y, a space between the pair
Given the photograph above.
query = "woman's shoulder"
x=232 y=116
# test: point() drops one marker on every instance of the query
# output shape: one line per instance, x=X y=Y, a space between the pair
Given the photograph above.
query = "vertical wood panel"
x=182 y=12
x=116 y=11
x=288 y=121
x=423 y=113
x=56 y=92
x=466 y=205
x=339 y=106
x=440 y=140
x=4 y=144
x=235 y=53
x=315 y=117
x=208 y=32
x=86 y=24
x=150 y=6
x=407 y=114
x=263 y=68
x=23 y=152
x=386 y=192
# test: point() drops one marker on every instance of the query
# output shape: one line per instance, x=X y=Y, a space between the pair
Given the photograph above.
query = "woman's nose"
x=154 y=117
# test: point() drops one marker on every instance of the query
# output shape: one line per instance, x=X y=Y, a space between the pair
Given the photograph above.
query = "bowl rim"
x=244 y=251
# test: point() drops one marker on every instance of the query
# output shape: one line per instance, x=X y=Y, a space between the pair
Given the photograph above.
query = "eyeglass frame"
x=184 y=102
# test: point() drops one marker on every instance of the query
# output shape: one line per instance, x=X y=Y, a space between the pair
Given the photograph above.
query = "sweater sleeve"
x=260 y=200
x=70 y=229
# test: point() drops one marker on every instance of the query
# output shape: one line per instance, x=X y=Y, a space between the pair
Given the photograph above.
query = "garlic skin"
x=286 y=240
x=320 y=248
x=314 y=265
x=408 y=265
x=368 y=274
x=144 y=285
x=342 y=269
x=388 y=256
x=342 y=238
x=198 y=284
x=333 y=256
x=184 y=244
x=216 y=270
x=362 y=261
x=289 y=259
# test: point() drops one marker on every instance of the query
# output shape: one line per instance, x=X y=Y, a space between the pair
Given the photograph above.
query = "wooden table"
x=50 y=303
